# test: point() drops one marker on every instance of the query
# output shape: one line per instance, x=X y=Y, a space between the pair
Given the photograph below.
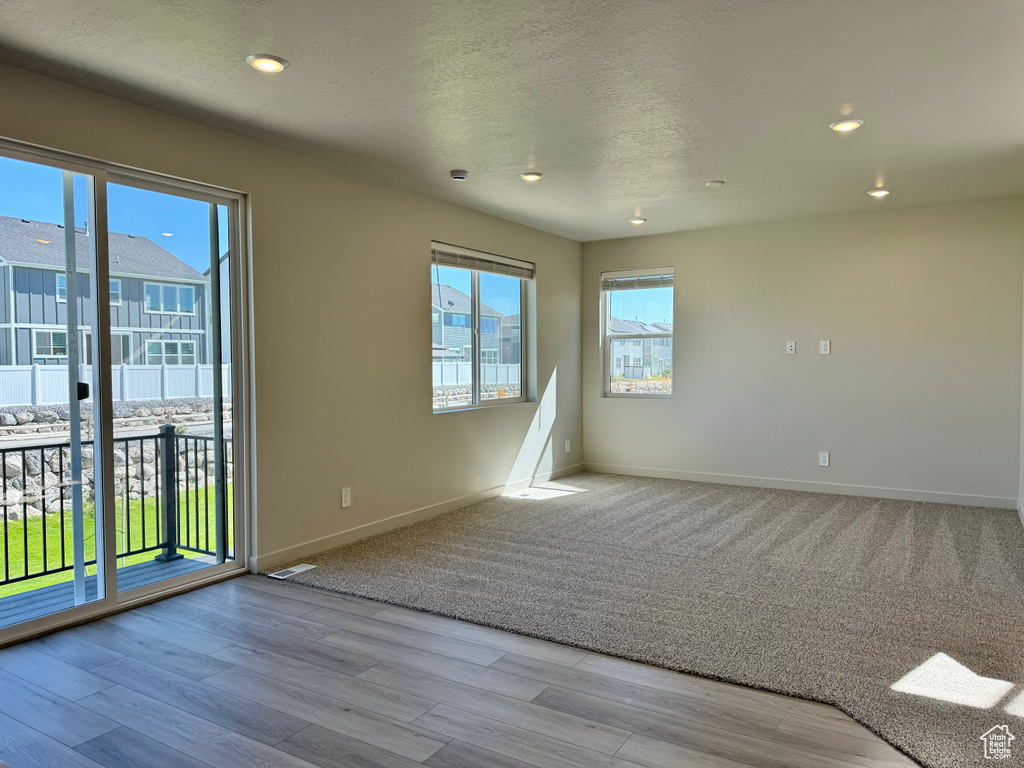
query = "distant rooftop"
x=635 y=326
x=460 y=302
x=20 y=242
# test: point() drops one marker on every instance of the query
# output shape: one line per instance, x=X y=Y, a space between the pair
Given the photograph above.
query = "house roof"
x=444 y=352
x=635 y=326
x=440 y=295
x=129 y=254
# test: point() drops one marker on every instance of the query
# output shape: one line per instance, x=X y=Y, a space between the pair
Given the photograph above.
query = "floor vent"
x=291 y=571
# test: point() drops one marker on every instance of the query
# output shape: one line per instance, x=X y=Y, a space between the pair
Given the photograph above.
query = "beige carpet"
x=833 y=598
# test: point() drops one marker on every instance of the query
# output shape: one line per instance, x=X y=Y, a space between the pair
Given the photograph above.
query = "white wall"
x=340 y=272
x=920 y=398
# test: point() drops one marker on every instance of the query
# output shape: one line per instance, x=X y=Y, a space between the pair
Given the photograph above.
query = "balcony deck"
x=58 y=597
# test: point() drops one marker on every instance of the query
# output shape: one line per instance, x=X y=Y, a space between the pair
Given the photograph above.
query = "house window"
x=173 y=299
x=50 y=343
x=170 y=353
x=478 y=294
x=637 y=308
x=62 y=289
x=120 y=348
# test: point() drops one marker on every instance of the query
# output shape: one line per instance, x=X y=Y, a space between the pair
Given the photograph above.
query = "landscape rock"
x=23 y=417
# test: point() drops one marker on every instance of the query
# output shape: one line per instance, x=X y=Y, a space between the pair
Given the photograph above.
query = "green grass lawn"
x=138 y=511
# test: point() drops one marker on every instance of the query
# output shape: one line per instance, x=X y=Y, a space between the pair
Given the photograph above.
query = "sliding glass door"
x=51 y=497
x=170 y=332
x=119 y=386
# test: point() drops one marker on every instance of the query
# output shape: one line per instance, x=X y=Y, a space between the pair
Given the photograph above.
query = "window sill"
x=484 y=406
x=624 y=396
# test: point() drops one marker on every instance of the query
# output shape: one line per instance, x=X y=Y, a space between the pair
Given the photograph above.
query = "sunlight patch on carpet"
x=943 y=677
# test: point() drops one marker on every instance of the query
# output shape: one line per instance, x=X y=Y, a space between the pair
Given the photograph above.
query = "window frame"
x=35 y=343
x=474 y=327
x=607 y=338
x=177 y=298
x=110 y=291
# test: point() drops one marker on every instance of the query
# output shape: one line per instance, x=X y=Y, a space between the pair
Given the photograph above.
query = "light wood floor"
x=255 y=673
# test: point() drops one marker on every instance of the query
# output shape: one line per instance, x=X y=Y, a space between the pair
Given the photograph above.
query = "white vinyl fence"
x=48 y=384
x=454 y=374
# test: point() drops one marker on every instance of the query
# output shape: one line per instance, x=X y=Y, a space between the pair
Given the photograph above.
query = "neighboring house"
x=452 y=328
x=157 y=301
x=641 y=358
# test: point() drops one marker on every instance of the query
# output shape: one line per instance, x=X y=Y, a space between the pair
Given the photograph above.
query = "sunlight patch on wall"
x=535 y=456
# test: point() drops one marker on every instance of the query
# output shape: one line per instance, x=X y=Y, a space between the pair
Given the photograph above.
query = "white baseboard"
x=1020 y=510
x=299 y=551
x=812 y=486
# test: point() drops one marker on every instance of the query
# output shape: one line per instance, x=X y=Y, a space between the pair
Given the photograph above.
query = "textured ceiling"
x=623 y=106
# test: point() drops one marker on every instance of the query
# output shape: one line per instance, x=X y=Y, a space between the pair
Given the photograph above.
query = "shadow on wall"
x=536 y=455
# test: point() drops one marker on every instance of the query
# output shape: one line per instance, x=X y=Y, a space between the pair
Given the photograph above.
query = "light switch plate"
x=825 y=347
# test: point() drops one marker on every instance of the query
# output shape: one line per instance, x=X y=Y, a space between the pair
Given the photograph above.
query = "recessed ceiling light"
x=167 y=234
x=847 y=125
x=531 y=176
x=638 y=220
x=714 y=183
x=41 y=241
x=265 y=62
x=879 y=193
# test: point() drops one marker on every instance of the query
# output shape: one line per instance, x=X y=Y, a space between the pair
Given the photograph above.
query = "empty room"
x=716 y=457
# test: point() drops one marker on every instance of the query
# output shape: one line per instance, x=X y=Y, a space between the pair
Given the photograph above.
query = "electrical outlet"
x=346 y=497
x=823 y=459
x=790 y=347
x=825 y=347
x=568 y=447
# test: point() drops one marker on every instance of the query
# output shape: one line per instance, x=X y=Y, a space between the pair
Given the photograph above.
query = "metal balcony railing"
x=165 y=503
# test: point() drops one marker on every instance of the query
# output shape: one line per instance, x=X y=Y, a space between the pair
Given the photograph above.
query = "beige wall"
x=920 y=397
x=340 y=277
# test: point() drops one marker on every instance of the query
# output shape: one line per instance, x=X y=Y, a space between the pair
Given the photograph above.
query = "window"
x=62 y=289
x=637 y=307
x=51 y=343
x=170 y=352
x=176 y=299
x=482 y=298
x=120 y=348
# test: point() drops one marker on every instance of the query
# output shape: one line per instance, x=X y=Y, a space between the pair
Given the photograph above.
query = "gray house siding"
x=36 y=304
x=5 y=293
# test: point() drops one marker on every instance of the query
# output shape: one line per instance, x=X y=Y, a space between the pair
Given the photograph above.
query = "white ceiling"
x=622 y=106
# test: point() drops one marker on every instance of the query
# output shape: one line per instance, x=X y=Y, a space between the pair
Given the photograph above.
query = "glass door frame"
x=242 y=390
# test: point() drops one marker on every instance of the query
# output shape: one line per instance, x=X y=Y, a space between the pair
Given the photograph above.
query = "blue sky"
x=496 y=291
x=650 y=305
x=31 y=191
